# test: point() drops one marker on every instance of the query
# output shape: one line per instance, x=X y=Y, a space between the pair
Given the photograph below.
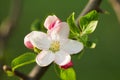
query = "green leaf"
x=90 y=44
x=10 y=73
x=83 y=39
x=37 y=26
x=86 y=42
x=68 y=74
x=90 y=27
x=22 y=60
x=71 y=23
x=89 y=22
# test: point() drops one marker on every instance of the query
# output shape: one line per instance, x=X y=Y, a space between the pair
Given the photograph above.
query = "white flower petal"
x=60 y=31
x=62 y=58
x=72 y=46
x=39 y=40
x=45 y=58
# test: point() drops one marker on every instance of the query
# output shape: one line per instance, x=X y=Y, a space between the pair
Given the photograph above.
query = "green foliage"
x=90 y=44
x=88 y=25
x=10 y=73
x=89 y=22
x=37 y=26
x=71 y=22
x=68 y=74
x=22 y=60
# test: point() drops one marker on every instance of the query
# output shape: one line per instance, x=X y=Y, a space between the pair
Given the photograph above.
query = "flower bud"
x=68 y=65
x=51 y=21
x=27 y=42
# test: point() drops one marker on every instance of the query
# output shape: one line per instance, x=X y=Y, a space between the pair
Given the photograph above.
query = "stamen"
x=55 y=45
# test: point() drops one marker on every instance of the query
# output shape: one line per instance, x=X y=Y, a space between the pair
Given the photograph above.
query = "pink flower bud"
x=68 y=65
x=27 y=42
x=51 y=22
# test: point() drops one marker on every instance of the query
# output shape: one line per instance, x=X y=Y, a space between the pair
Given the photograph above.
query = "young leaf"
x=90 y=44
x=71 y=22
x=22 y=60
x=37 y=26
x=10 y=73
x=89 y=22
x=68 y=74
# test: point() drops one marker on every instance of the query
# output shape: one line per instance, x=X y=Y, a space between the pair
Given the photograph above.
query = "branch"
x=6 y=28
x=17 y=73
x=35 y=74
x=38 y=72
x=116 y=6
x=91 y=5
x=8 y=24
x=11 y=20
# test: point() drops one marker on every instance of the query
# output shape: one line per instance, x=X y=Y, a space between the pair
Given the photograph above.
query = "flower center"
x=55 y=46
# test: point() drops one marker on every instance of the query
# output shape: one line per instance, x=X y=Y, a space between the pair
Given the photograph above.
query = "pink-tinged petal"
x=72 y=46
x=39 y=40
x=27 y=42
x=45 y=58
x=51 y=21
x=62 y=58
x=68 y=65
x=60 y=31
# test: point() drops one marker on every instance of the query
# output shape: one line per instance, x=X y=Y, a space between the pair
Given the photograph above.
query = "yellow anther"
x=55 y=46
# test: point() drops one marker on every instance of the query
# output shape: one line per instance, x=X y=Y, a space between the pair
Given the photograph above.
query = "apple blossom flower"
x=51 y=22
x=56 y=46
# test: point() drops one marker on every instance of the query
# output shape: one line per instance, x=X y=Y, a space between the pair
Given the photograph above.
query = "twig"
x=38 y=72
x=91 y=5
x=11 y=20
x=17 y=73
x=35 y=74
x=8 y=24
x=116 y=6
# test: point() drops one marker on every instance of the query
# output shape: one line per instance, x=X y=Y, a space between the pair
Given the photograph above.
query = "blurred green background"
x=101 y=63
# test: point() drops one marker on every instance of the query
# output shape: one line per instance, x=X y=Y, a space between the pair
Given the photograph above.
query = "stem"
x=91 y=5
x=37 y=72
x=116 y=6
x=7 y=25
x=17 y=73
